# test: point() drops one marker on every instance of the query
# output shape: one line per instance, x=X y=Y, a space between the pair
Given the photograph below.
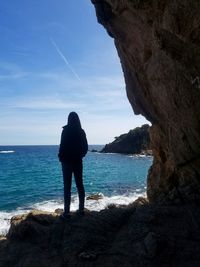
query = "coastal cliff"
x=133 y=142
x=140 y=234
x=158 y=43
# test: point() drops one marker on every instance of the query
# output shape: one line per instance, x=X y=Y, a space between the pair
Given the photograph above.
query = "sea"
x=31 y=178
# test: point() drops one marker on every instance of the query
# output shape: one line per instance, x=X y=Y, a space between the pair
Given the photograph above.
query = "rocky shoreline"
x=159 y=48
x=140 y=234
x=136 y=141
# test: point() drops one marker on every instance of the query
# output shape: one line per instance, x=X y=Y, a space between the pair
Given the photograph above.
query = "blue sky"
x=55 y=58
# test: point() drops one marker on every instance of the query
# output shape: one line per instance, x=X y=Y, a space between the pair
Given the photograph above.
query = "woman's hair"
x=73 y=120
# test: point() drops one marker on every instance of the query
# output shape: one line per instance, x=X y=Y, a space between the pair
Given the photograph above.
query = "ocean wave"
x=91 y=204
x=140 y=156
x=6 y=151
x=52 y=205
x=110 y=153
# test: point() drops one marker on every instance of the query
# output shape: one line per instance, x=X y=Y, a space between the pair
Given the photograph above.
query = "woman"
x=73 y=147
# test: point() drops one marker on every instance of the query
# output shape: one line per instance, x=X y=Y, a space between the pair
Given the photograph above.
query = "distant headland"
x=136 y=141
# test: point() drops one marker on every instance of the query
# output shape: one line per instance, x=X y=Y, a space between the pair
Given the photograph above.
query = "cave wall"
x=158 y=43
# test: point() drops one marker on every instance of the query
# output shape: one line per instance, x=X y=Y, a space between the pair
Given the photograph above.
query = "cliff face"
x=158 y=43
x=133 y=142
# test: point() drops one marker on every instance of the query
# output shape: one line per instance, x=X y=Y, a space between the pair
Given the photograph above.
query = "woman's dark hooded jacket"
x=73 y=145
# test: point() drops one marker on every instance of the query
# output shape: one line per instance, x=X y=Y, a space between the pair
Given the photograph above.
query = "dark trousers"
x=76 y=168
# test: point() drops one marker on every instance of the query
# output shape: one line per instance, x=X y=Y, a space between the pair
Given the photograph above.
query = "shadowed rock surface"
x=133 y=142
x=140 y=234
x=158 y=43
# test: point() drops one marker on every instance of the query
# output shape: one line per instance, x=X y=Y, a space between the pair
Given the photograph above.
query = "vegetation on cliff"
x=133 y=142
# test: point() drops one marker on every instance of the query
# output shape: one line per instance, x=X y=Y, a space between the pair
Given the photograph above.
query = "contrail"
x=64 y=59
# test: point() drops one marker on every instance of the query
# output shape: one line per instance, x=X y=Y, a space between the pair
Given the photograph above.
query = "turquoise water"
x=31 y=177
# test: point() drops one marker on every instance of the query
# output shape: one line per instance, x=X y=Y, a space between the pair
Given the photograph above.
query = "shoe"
x=65 y=216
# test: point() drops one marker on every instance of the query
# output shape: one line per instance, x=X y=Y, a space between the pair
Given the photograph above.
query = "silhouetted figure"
x=73 y=147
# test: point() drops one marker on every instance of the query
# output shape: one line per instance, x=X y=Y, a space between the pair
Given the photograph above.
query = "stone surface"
x=150 y=243
x=94 y=197
x=158 y=43
x=133 y=142
x=141 y=234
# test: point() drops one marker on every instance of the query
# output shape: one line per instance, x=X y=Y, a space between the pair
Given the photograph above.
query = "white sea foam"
x=109 y=153
x=90 y=204
x=6 y=151
x=140 y=156
x=51 y=205
x=5 y=219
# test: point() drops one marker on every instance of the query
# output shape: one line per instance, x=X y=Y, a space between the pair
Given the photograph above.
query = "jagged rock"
x=158 y=43
x=150 y=243
x=140 y=234
x=141 y=201
x=111 y=206
x=85 y=255
x=133 y=142
x=59 y=211
x=147 y=152
x=94 y=197
x=94 y=150
x=30 y=226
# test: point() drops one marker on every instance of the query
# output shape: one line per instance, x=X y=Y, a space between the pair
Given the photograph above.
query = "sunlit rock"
x=158 y=43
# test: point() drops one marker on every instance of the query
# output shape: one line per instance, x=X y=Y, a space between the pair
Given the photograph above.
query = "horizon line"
x=47 y=145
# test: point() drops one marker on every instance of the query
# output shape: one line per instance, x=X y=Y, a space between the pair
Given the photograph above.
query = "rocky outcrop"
x=158 y=43
x=133 y=142
x=140 y=234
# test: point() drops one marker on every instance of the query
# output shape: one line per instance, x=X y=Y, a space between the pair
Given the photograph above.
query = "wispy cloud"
x=97 y=94
x=64 y=59
x=11 y=71
x=48 y=103
x=20 y=53
x=13 y=76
